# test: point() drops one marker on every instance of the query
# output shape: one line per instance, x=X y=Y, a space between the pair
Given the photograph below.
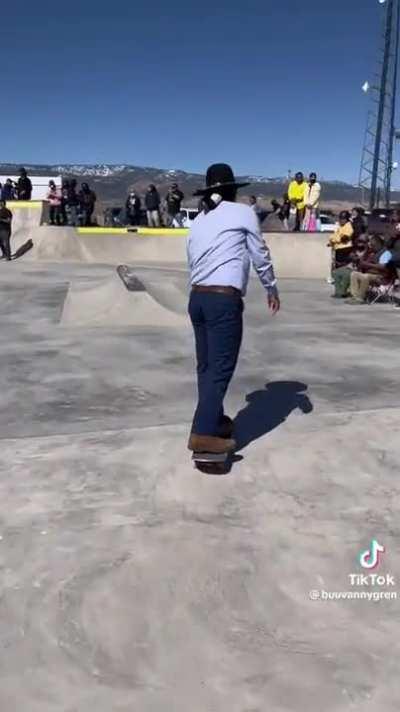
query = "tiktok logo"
x=370 y=559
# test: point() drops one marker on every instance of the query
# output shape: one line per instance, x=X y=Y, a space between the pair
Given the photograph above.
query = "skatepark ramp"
x=27 y=217
x=110 y=303
x=295 y=255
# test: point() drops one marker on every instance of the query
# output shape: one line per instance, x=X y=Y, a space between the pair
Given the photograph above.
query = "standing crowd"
x=70 y=206
x=158 y=213
x=299 y=210
x=19 y=190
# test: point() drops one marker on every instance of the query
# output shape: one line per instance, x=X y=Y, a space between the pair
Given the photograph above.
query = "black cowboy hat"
x=219 y=175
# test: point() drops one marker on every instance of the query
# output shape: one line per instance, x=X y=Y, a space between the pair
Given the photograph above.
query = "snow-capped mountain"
x=101 y=169
x=112 y=182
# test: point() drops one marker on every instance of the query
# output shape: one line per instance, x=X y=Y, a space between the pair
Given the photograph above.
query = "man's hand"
x=274 y=303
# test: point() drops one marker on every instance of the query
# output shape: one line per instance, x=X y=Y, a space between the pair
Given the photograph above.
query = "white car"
x=185 y=217
x=328 y=223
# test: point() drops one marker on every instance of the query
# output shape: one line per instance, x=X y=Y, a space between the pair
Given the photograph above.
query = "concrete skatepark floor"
x=134 y=583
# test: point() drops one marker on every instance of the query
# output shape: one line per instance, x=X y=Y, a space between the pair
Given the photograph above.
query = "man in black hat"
x=223 y=240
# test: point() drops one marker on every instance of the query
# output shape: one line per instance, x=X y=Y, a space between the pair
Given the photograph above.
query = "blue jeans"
x=217 y=321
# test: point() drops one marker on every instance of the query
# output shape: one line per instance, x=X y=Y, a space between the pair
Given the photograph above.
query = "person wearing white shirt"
x=223 y=241
x=312 y=197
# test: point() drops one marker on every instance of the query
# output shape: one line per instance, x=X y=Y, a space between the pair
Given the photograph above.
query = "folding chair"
x=382 y=292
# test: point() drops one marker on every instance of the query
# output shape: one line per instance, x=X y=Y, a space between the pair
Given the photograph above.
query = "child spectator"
x=54 y=198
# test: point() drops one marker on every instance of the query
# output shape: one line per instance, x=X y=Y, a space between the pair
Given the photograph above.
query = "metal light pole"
x=377 y=157
x=382 y=104
x=392 y=129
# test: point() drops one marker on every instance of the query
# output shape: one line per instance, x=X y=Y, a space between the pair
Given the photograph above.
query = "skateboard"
x=131 y=282
x=210 y=463
x=22 y=250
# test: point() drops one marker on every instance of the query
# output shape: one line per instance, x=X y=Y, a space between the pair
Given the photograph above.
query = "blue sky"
x=265 y=85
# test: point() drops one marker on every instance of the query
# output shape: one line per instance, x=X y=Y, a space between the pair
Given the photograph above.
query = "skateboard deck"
x=131 y=282
x=210 y=463
x=22 y=250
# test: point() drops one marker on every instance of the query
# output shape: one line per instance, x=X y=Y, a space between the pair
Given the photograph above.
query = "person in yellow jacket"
x=297 y=191
x=341 y=241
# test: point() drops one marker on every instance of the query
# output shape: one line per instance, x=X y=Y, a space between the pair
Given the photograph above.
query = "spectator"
x=285 y=212
x=261 y=214
x=341 y=241
x=64 y=199
x=55 y=199
x=358 y=223
x=312 y=196
x=71 y=202
x=5 y=231
x=375 y=270
x=396 y=220
x=254 y=205
x=133 y=207
x=394 y=247
x=24 y=186
x=152 y=202
x=173 y=200
x=8 y=192
x=273 y=221
x=202 y=206
x=342 y=275
x=297 y=190
x=87 y=200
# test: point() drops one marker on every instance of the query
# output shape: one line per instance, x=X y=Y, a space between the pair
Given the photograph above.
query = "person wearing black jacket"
x=173 y=200
x=71 y=203
x=8 y=192
x=132 y=206
x=24 y=186
x=87 y=199
x=5 y=231
x=152 y=202
x=358 y=222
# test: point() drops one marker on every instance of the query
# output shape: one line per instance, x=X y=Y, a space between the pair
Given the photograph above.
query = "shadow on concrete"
x=266 y=409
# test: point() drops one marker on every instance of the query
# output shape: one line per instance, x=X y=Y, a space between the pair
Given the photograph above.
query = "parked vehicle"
x=328 y=223
x=116 y=217
x=186 y=216
x=381 y=220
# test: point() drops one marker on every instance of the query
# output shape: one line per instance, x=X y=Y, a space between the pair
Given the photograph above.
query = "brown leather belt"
x=216 y=289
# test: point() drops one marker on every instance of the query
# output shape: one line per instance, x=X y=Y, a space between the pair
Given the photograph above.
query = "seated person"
x=394 y=247
x=341 y=241
x=395 y=222
x=375 y=270
x=342 y=275
x=358 y=222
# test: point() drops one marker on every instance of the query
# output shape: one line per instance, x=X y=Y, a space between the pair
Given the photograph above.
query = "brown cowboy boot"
x=211 y=444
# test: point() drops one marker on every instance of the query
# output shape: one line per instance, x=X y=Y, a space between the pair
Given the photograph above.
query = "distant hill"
x=112 y=182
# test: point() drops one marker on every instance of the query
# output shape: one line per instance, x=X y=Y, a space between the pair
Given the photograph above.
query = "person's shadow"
x=268 y=408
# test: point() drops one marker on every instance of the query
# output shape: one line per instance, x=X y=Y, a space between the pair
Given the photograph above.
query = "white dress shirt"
x=222 y=243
